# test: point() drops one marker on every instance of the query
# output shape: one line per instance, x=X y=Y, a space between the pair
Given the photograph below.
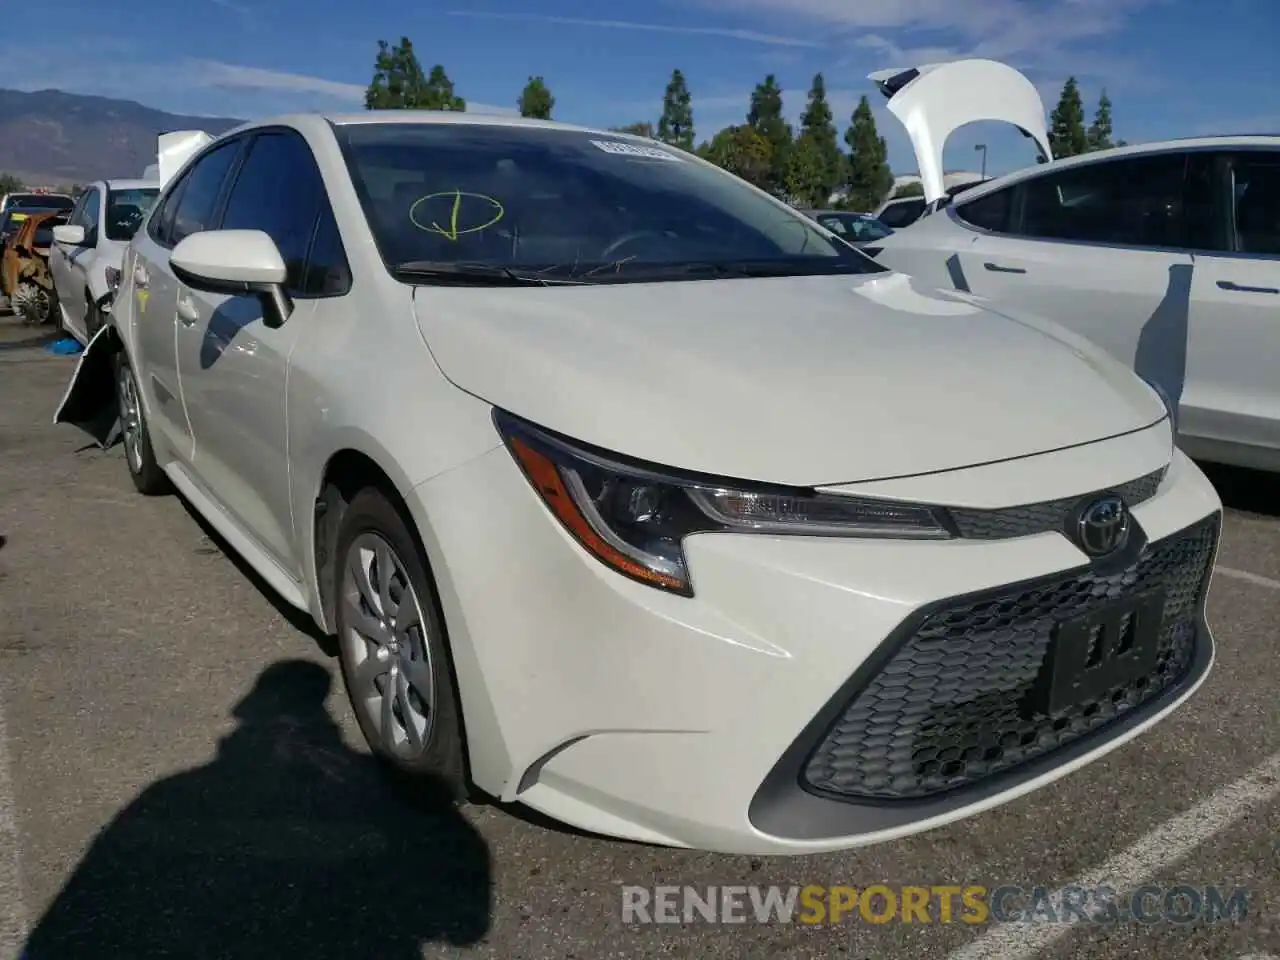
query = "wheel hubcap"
x=385 y=643
x=131 y=418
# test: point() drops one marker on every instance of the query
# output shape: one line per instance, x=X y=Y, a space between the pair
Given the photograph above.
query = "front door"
x=233 y=368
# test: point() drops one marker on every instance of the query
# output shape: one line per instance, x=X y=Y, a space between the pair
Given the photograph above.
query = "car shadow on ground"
x=286 y=844
x=1249 y=491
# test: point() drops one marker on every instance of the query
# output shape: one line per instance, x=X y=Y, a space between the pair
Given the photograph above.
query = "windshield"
x=46 y=201
x=126 y=209
x=571 y=206
x=854 y=228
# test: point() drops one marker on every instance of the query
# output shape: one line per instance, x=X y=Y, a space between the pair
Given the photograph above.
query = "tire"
x=416 y=669
x=139 y=455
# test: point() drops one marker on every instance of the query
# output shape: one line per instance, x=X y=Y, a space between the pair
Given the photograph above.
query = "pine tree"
x=822 y=168
x=765 y=117
x=536 y=100
x=1100 y=130
x=641 y=128
x=675 y=127
x=399 y=83
x=741 y=151
x=870 y=178
x=1067 y=135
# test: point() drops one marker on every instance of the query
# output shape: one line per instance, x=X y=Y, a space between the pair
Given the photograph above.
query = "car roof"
x=129 y=184
x=1116 y=153
x=311 y=121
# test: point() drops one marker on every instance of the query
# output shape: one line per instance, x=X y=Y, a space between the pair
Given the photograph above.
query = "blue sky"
x=1172 y=67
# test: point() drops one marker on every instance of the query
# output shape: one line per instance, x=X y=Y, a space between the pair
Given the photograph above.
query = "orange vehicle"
x=24 y=268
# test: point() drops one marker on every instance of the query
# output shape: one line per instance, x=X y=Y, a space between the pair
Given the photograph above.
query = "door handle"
x=187 y=311
x=140 y=275
x=996 y=268
x=1241 y=288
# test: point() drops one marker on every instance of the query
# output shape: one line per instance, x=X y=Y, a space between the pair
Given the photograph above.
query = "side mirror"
x=236 y=263
x=72 y=234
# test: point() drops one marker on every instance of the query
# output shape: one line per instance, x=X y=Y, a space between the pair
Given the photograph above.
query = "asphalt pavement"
x=181 y=776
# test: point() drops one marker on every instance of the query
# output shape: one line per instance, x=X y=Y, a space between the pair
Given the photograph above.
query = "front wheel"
x=392 y=650
x=138 y=453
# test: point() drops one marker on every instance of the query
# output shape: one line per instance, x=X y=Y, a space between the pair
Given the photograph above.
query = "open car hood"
x=935 y=100
x=797 y=380
x=174 y=149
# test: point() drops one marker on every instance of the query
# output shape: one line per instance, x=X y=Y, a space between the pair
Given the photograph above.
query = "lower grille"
x=961 y=700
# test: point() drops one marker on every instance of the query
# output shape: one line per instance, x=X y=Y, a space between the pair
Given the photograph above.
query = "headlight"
x=633 y=517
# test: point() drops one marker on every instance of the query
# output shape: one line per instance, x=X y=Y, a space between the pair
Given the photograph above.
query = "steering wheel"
x=629 y=237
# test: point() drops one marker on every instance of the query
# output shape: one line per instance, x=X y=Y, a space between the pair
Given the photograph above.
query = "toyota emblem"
x=1103 y=526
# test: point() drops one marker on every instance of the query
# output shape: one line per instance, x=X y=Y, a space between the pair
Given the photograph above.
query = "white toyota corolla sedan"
x=635 y=496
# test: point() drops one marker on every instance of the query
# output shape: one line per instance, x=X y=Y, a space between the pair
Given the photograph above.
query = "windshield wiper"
x=445 y=273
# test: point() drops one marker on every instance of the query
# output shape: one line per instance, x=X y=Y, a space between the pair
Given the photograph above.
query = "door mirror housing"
x=236 y=263
x=71 y=234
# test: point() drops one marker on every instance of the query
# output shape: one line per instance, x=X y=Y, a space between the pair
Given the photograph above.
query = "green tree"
x=821 y=170
x=399 y=83
x=1067 y=135
x=641 y=128
x=808 y=178
x=675 y=126
x=536 y=100
x=9 y=184
x=1100 y=130
x=743 y=152
x=870 y=178
x=913 y=189
x=765 y=117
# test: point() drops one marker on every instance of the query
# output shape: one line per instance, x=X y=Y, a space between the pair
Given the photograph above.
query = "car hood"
x=935 y=100
x=797 y=380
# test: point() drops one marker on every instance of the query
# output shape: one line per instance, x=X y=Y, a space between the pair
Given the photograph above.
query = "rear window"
x=126 y=209
x=45 y=201
x=903 y=214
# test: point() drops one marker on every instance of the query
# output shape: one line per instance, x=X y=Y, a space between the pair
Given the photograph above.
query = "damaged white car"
x=635 y=496
x=1166 y=254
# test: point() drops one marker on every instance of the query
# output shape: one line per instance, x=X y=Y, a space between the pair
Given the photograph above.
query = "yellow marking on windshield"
x=470 y=214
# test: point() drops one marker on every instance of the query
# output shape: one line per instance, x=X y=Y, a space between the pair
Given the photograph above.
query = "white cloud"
x=749 y=36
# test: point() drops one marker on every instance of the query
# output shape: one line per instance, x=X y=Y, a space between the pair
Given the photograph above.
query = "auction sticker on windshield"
x=632 y=150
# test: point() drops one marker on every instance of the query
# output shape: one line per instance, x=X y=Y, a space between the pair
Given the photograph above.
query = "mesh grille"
x=1044 y=517
x=957 y=702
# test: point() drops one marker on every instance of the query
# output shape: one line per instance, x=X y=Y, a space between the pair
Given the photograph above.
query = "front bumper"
x=692 y=722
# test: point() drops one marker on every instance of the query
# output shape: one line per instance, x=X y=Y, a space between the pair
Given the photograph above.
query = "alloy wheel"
x=385 y=642
x=131 y=418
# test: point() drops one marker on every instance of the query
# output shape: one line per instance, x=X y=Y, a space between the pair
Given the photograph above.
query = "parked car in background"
x=1165 y=254
x=24 y=268
x=86 y=255
x=859 y=229
x=799 y=554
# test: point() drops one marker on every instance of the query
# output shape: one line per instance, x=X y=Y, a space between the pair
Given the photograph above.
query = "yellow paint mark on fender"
x=143 y=296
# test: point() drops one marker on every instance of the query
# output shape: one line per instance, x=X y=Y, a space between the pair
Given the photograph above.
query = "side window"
x=77 y=212
x=199 y=200
x=160 y=226
x=987 y=213
x=91 y=212
x=1137 y=201
x=328 y=273
x=1255 y=184
x=278 y=191
x=903 y=213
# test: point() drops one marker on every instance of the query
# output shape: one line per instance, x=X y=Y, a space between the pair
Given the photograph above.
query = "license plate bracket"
x=1092 y=654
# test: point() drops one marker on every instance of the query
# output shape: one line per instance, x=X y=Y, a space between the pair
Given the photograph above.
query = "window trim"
x=1226 y=170
x=953 y=209
x=178 y=188
x=250 y=137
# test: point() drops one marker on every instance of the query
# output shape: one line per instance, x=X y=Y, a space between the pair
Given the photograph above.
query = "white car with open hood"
x=637 y=497
x=1167 y=254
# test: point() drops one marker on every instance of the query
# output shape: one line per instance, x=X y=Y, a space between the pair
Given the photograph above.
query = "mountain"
x=49 y=137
